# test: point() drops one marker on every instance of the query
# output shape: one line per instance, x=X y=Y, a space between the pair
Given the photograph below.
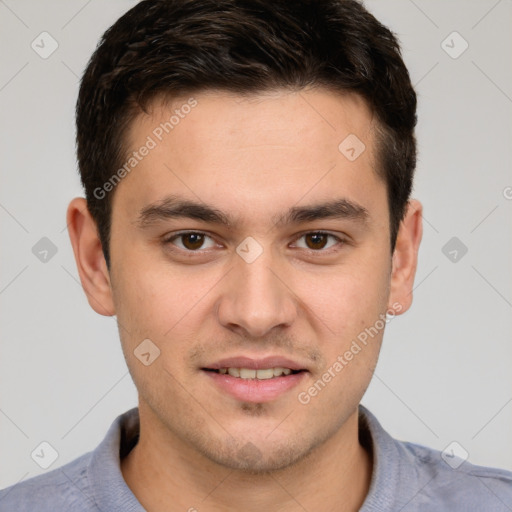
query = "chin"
x=260 y=457
x=249 y=459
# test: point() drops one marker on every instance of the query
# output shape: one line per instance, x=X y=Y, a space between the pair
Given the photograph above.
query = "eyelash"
x=340 y=241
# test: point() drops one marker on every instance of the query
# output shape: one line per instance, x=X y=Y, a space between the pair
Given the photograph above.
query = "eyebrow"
x=173 y=207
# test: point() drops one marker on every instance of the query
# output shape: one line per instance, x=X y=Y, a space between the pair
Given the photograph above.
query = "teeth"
x=234 y=372
x=246 y=373
x=265 y=374
x=250 y=373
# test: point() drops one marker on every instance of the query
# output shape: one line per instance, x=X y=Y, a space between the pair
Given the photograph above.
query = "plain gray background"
x=445 y=369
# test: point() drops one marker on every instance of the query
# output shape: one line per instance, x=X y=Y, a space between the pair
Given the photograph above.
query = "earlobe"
x=405 y=258
x=89 y=258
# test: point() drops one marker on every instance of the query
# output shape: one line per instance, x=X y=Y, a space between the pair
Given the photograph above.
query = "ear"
x=405 y=258
x=90 y=261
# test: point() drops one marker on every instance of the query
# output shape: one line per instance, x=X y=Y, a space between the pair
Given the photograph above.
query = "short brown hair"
x=167 y=47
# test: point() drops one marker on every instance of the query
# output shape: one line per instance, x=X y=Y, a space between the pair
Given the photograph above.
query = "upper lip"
x=256 y=363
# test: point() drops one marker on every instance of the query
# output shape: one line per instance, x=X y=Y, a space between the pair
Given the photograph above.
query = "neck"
x=165 y=474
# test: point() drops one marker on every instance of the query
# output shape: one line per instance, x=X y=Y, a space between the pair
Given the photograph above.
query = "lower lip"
x=255 y=390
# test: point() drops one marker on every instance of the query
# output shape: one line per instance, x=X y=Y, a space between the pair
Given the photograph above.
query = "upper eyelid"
x=168 y=238
x=340 y=237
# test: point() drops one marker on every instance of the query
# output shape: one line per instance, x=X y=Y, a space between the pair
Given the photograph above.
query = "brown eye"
x=316 y=240
x=191 y=241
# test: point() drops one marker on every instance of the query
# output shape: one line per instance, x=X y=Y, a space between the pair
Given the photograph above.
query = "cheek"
x=346 y=300
x=351 y=308
x=159 y=301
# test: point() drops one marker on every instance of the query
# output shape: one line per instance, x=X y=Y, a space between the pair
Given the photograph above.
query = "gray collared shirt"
x=406 y=477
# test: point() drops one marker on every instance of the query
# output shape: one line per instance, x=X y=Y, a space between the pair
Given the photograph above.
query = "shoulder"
x=65 y=488
x=414 y=478
x=454 y=482
x=92 y=482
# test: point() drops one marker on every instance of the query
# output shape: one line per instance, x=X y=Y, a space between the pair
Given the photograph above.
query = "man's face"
x=288 y=296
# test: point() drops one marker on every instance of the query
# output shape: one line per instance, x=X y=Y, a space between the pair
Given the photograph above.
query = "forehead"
x=281 y=146
x=318 y=112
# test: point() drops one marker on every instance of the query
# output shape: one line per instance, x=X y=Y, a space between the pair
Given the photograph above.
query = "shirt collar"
x=110 y=490
x=385 y=479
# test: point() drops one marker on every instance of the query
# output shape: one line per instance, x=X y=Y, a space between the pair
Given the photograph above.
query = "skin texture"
x=253 y=158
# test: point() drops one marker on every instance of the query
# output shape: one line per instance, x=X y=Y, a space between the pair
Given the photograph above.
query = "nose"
x=256 y=298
